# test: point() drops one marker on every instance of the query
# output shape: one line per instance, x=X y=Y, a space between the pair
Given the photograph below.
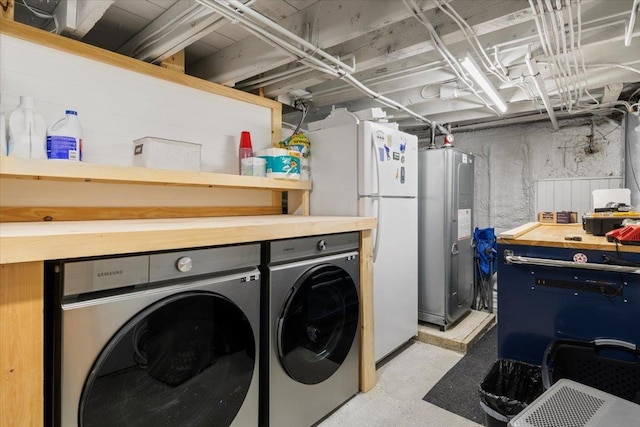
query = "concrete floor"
x=396 y=400
x=407 y=375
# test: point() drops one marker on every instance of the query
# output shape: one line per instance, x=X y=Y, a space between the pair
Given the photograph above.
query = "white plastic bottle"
x=64 y=138
x=27 y=131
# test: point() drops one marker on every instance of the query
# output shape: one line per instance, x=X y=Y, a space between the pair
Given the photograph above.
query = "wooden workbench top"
x=553 y=235
x=37 y=241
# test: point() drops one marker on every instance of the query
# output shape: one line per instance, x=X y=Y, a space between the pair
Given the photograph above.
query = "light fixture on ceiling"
x=472 y=68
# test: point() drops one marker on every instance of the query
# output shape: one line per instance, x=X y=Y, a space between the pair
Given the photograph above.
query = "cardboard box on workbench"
x=560 y=217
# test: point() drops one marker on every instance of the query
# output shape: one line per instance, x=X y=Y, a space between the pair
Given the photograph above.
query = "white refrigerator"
x=370 y=169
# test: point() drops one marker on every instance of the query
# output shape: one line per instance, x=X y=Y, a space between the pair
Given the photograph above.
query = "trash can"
x=508 y=387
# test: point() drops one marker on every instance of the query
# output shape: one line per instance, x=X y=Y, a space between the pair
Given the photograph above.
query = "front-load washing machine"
x=311 y=328
x=159 y=339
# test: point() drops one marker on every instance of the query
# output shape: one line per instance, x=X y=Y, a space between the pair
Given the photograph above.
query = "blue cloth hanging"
x=486 y=249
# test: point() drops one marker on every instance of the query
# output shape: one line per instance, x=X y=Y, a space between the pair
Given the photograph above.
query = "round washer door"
x=185 y=360
x=318 y=324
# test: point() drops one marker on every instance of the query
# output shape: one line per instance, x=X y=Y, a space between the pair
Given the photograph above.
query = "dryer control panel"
x=307 y=247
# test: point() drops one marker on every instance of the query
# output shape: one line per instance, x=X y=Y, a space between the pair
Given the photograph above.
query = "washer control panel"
x=187 y=263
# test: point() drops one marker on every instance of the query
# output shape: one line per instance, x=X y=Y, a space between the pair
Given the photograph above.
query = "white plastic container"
x=159 y=153
x=253 y=166
x=64 y=138
x=27 y=131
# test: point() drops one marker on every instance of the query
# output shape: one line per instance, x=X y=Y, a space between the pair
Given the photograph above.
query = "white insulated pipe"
x=537 y=81
x=269 y=23
x=632 y=23
x=305 y=58
x=265 y=35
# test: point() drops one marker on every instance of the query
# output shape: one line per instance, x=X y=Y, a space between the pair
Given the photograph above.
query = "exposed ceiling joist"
x=395 y=58
x=77 y=17
x=325 y=24
x=179 y=26
x=408 y=38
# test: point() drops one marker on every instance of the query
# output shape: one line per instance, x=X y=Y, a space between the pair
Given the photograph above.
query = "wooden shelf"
x=53 y=170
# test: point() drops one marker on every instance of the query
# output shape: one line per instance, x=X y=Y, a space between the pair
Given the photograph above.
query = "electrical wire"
x=475 y=44
x=470 y=36
x=635 y=92
x=628 y=107
x=437 y=41
x=297 y=129
x=497 y=59
x=547 y=39
x=183 y=17
x=573 y=52
x=537 y=19
x=570 y=77
x=230 y=9
x=579 y=41
x=247 y=12
x=622 y=66
x=42 y=15
x=561 y=26
x=442 y=49
x=554 y=31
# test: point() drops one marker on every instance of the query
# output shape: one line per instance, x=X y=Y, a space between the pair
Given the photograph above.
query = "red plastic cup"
x=245 y=139
x=245 y=150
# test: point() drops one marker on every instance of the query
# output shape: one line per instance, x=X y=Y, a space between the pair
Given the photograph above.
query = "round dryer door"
x=186 y=360
x=318 y=324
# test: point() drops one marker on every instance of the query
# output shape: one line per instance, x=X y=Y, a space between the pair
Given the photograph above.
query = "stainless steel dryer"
x=164 y=339
x=311 y=326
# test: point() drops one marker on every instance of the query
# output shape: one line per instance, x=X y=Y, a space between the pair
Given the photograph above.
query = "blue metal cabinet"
x=539 y=303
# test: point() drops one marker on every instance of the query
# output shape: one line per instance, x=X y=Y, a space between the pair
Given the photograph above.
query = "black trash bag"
x=510 y=385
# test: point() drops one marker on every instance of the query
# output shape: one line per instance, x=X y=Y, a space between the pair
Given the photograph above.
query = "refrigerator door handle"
x=454 y=249
x=378 y=229
x=374 y=147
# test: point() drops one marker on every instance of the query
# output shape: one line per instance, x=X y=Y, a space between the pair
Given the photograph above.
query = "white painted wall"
x=116 y=106
x=510 y=160
x=571 y=194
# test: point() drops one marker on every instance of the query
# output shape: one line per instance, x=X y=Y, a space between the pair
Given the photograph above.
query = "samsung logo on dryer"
x=110 y=273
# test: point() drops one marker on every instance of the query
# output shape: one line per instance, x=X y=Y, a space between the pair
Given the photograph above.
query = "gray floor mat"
x=457 y=391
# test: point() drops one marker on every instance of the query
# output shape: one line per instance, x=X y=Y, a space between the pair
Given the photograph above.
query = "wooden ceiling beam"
x=325 y=24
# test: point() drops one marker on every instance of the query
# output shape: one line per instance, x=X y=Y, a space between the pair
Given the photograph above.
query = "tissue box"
x=159 y=153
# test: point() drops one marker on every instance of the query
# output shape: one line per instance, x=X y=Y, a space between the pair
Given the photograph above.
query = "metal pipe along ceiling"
x=535 y=75
x=632 y=23
x=227 y=8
